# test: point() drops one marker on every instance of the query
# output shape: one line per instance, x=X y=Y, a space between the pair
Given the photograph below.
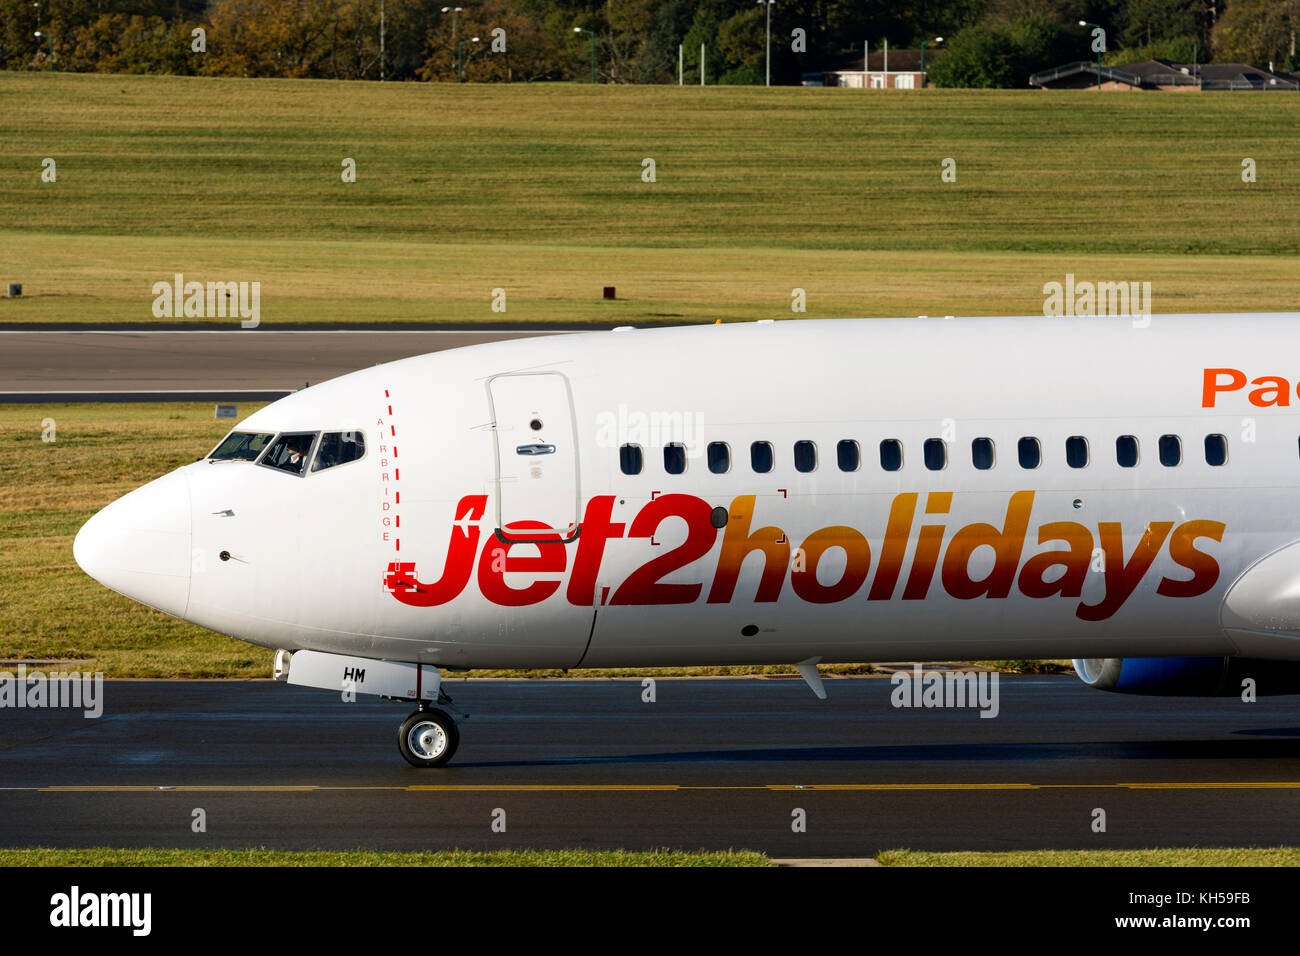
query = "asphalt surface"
x=710 y=764
x=207 y=365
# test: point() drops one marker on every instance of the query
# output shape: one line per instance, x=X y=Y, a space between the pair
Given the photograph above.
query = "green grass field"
x=107 y=856
x=51 y=609
x=538 y=190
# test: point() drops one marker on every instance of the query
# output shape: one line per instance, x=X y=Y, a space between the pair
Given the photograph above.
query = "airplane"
x=798 y=492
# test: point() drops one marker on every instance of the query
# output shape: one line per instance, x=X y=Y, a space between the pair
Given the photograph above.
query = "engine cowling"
x=1188 y=676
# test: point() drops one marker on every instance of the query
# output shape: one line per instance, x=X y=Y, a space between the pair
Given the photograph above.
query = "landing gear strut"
x=428 y=738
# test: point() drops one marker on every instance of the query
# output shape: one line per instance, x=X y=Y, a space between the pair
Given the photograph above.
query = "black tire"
x=428 y=738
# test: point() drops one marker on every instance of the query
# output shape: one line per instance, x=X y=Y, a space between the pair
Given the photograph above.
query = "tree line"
x=987 y=43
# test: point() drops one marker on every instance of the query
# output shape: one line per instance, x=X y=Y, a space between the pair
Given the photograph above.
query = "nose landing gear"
x=428 y=738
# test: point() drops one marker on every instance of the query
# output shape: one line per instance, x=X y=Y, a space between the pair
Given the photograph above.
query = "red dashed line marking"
x=397 y=495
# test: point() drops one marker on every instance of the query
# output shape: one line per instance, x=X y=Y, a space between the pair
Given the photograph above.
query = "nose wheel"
x=428 y=738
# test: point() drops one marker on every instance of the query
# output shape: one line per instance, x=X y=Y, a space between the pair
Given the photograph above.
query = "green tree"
x=978 y=57
x=704 y=30
x=1184 y=49
x=1148 y=21
x=1258 y=31
x=740 y=41
x=987 y=57
x=116 y=43
x=271 y=38
x=1040 y=44
x=658 y=60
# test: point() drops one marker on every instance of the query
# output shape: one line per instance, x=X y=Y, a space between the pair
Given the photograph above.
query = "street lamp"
x=1085 y=23
x=768 y=4
x=936 y=41
x=453 y=11
x=460 y=63
x=593 y=50
x=49 y=36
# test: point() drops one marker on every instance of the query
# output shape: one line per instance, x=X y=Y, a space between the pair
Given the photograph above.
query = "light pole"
x=593 y=50
x=381 y=41
x=460 y=59
x=49 y=36
x=453 y=11
x=1085 y=23
x=936 y=41
x=768 y=47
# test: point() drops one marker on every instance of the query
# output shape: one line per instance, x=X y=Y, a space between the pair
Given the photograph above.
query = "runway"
x=710 y=764
x=201 y=364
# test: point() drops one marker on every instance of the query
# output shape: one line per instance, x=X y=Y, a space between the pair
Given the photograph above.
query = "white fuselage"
x=399 y=556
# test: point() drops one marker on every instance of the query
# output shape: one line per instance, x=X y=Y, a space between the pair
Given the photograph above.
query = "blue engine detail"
x=1189 y=676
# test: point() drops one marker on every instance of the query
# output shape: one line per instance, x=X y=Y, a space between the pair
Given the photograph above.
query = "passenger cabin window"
x=675 y=458
x=849 y=455
x=719 y=454
x=761 y=457
x=241 y=446
x=805 y=456
x=1030 y=452
x=339 y=448
x=631 y=459
x=290 y=452
x=891 y=454
x=1126 y=451
x=936 y=454
x=1216 y=450
x=1076 y=451
x=1171 y=450
x=982 y=453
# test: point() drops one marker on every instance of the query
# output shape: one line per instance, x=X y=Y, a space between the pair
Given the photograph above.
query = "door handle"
x=535 y=449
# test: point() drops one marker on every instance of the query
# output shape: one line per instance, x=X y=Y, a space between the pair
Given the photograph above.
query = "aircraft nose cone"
x=140 y=545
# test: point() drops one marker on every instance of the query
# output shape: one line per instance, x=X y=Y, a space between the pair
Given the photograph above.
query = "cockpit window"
x=339 y=448
x=290 y=452
x=241 y=446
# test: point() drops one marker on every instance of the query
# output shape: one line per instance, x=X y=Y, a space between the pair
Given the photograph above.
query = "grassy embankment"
x=538 y=190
